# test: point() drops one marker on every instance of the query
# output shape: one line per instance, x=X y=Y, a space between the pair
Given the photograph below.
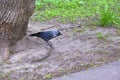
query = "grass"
x=104 y=12
x=5 y=76
x=100 y=36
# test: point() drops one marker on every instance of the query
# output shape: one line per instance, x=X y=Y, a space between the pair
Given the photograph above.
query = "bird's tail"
x=35 y=34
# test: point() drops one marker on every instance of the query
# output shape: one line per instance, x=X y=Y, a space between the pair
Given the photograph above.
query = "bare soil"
x=79 y=48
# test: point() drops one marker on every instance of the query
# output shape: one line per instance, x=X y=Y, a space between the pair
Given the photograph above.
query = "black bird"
x=47 y=35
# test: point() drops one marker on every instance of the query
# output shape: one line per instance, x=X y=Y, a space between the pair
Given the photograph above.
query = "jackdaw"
x=47 y=35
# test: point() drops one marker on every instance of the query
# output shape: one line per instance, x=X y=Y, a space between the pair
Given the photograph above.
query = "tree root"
x=4 y=50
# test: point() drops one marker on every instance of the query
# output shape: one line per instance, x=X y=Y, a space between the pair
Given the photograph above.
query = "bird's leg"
x=50 y=44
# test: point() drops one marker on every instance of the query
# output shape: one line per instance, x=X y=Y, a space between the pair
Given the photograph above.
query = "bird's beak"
x=60 y=34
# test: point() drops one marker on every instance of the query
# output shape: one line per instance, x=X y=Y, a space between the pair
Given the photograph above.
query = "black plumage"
x=47 y=35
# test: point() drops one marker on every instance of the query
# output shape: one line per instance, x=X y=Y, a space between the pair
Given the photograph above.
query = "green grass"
x=104 y=12
x=100 y=36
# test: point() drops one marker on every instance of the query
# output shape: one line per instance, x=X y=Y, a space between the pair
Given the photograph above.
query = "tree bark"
x=14 y=16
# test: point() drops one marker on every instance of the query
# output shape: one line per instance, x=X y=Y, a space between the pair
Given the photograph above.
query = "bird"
x=47 y=35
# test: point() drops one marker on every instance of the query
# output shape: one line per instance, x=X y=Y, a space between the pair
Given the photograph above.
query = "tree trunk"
x=14 y=16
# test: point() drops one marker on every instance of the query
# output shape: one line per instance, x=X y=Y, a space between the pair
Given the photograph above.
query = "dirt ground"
x=78 y=48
